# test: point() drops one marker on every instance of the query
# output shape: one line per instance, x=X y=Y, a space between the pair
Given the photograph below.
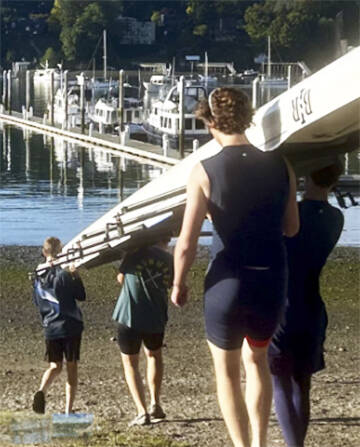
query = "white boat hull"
x=310 y=123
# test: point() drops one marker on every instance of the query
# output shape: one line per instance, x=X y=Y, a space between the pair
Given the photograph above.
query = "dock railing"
x=280 y=70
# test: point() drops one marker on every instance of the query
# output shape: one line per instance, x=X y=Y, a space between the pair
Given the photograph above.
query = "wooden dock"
x=133 y=149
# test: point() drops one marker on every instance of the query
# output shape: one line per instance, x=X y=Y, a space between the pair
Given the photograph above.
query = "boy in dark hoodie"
x=55 y=294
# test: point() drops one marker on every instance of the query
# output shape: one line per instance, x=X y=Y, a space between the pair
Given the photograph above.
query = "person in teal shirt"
x=141 y=313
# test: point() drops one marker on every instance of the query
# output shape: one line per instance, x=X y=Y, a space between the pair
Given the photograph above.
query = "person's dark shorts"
x=129 y=340
x=68 y=347
x=243 y=303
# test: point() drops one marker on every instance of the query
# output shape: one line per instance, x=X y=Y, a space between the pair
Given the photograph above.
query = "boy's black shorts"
x=129 y=340
x=60 y=347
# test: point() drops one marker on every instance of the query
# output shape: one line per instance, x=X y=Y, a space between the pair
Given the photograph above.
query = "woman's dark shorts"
x=129 y=340
x=60 y=347
x=243 y=302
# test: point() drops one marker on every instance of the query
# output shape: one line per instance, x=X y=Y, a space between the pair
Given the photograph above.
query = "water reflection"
x=50 y=186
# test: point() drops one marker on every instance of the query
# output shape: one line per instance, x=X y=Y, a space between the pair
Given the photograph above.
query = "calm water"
x=50 y=187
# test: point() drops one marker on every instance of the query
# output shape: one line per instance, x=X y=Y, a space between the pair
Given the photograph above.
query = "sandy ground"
x=189 y=395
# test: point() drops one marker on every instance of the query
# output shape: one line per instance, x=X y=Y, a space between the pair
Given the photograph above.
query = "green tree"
x=298 y=29
x=81 y=23
x=156 y=17
x=51 y=56
x=200 y=30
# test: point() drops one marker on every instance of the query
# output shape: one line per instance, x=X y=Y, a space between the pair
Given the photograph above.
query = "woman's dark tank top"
x=248 y=195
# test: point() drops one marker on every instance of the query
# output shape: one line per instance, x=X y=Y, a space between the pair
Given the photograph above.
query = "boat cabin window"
x=188 y=123
x=199 y=124
x=196 y=92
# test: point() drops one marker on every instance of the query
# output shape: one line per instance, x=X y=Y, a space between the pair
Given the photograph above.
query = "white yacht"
x=105 y=114
x=158 y=82
x=44 y=74
x=74 y=111
x=164 y=117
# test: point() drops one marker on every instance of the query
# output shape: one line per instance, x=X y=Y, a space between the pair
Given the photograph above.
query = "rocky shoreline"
x=31 y=254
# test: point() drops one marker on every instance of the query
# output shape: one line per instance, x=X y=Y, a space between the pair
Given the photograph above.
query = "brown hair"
x=52 y=246
x=228 y=109
x=327 y=176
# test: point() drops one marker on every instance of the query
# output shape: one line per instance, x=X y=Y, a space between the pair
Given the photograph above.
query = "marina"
x=83 y=141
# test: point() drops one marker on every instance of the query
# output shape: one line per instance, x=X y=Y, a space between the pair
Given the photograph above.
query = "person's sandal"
x=39 y=402
x=141 y=419
x=156 y=412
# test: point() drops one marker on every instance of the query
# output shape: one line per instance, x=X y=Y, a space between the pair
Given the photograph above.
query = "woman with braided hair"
x=250 y=197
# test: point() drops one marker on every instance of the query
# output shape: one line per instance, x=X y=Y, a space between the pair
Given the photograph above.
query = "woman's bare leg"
x=231 y=401
x=258 y=393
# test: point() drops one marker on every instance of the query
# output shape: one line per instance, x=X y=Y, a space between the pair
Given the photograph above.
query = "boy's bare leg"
x=231 y=401
x=49 y=375
x=258 y=393
x=155 y=371
x=71 y=385
x=134 y=381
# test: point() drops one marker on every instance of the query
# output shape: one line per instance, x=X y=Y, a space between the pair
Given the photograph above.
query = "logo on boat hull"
x=301 y=106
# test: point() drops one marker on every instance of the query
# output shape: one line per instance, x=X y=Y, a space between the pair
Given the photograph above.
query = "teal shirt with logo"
x=143 y=301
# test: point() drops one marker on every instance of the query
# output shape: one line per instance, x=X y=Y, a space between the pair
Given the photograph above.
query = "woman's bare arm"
x=185 y=250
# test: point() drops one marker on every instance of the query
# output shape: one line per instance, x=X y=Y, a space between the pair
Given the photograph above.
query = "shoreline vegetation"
x=189 y=398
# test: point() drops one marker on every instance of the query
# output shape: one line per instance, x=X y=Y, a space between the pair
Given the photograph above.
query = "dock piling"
x=181 y=116
x=255 y=88
x=4 y=90
x=81 y=82
x=66 y=101
x=9 y=99
x=121 y=100
x=52 y=98
x=27 y=89
x=196 y=145
x=125 y=135
x=289 y=77
x=165 y=144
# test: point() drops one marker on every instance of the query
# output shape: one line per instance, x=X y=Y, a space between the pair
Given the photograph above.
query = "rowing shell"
x=310 y=123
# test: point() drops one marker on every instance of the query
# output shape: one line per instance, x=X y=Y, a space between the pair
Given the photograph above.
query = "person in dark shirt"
x=55 y=295
x=250 y=196
x=141 y=315
x=296 y=351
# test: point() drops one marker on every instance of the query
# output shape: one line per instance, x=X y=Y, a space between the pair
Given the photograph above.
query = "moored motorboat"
x=164 y=117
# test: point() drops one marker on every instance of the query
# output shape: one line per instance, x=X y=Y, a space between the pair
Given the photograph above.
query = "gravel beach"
x=193 y=416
